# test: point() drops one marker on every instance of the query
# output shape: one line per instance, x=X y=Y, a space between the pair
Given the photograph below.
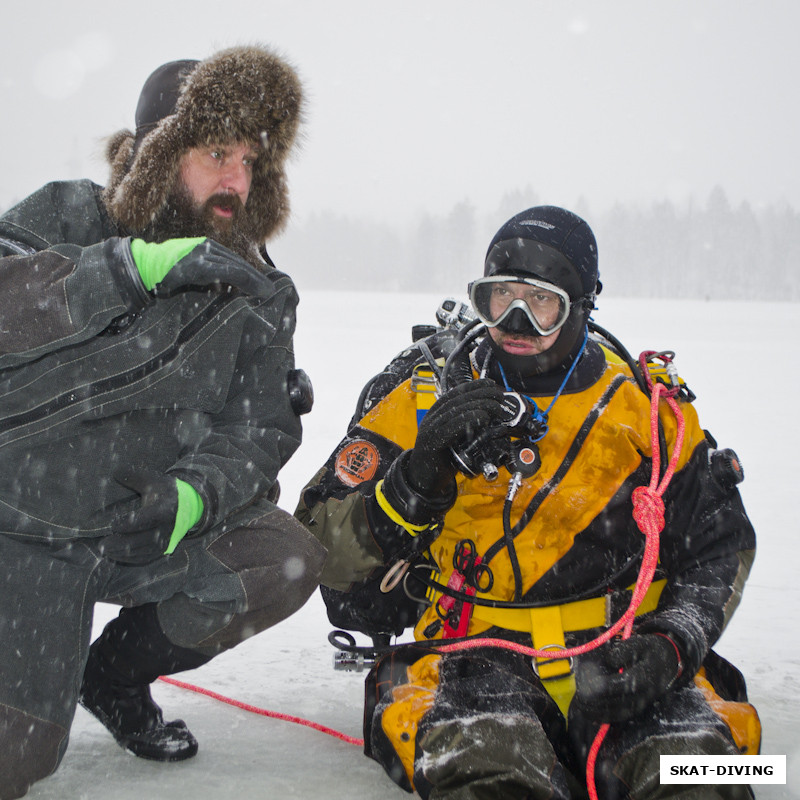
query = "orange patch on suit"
x=357 y=462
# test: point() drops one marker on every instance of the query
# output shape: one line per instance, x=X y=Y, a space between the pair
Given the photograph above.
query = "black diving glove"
x=623 y=678
x=457 y=417
x=167 y=510
x=419 y=487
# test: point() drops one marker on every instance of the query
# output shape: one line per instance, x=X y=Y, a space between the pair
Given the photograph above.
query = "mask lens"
x=546 y=305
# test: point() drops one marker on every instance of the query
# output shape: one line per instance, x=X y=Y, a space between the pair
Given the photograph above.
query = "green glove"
x=154 y=261
x=190 y=509
x=169 y=508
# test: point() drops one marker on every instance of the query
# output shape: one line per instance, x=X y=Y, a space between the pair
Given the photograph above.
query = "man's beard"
x=181 y=217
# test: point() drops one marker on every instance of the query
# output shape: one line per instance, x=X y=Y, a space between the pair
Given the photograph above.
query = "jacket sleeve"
x=235 y=455
x=64 y=296
x=362 y=542
x=63 y=277
x=706 y=549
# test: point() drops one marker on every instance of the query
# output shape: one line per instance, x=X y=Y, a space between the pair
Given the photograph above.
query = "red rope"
x=263 y=711
x=648 y=512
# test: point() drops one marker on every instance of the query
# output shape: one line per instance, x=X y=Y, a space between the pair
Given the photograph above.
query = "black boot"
x=125 y=659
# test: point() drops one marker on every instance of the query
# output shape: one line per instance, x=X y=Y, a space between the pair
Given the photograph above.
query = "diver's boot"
x=125 y=659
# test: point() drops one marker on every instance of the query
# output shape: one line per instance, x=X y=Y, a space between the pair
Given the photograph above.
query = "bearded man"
x=149 y=400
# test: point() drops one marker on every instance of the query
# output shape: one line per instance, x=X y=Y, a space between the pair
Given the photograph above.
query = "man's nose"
x=236 y=179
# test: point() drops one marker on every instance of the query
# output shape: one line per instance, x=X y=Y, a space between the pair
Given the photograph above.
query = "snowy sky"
x=416 y=106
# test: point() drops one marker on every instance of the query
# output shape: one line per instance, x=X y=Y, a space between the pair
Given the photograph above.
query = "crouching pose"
x=489 y=492
x=149 y=400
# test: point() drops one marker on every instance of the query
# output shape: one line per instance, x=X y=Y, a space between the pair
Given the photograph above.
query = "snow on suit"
x=96 y=374
x=460 y=724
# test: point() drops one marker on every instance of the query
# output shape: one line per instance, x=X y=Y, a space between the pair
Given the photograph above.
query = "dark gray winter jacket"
x=98 y=373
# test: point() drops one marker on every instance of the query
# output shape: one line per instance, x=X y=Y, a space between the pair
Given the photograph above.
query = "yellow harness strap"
x=579 y=615
x=547 y=633
x=393 y=515
x=547 y=626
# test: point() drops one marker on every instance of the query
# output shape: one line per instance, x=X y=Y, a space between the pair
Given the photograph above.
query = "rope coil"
x=648 y=508
x=648 y=512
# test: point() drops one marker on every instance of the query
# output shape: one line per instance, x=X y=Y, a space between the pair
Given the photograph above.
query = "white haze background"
x=414 y=109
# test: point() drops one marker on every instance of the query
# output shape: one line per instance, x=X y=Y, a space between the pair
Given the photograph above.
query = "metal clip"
x=423 y=379
x=536 y=662
x=351 y=662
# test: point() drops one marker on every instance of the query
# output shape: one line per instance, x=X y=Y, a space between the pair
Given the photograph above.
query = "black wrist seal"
x=413 y=507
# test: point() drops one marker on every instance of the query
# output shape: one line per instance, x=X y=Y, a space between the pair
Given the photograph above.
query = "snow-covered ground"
x=737 y=359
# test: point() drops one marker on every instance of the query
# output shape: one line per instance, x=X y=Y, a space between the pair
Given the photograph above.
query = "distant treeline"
x=713 y=251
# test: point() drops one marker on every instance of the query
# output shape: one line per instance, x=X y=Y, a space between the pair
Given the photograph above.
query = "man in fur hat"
x=150 y=398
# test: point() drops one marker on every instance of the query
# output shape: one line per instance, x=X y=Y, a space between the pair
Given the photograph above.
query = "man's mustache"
x=225 y=201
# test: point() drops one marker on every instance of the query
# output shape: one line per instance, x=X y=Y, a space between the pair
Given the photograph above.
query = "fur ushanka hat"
x=239 y=94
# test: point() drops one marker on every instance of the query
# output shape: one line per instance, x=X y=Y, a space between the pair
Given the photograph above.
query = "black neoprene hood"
x=548 y=243
x=558 y=247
